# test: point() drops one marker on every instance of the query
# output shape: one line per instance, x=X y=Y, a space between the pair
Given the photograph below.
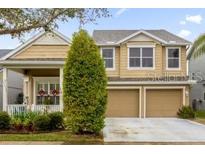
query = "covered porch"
x=42 y=88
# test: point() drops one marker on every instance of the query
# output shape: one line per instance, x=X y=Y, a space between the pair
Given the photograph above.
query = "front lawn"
x=200 y=116
x=64 y=136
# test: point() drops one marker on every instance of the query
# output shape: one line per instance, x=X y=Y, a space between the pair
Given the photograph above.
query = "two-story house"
x=146 y=69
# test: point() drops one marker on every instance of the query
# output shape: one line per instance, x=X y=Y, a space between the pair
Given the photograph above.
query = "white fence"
x=19 y=108
x=46 y=108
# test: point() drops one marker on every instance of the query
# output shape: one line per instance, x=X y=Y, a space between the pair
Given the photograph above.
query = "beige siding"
x=125 y=72
x=121 y=63
x=43 y=51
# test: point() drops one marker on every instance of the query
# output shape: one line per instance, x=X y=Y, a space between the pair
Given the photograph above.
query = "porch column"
x=61 y=88
x=5 y=89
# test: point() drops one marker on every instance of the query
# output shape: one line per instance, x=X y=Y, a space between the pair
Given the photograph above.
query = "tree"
x=18 y=21
x=198 y=47
x=84 y=86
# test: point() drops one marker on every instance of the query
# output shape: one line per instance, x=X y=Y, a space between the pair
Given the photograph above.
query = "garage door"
x=123 y=103
x=163 y=103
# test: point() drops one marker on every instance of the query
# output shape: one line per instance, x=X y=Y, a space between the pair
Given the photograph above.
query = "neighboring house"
x=197 y=71
x=146 y=69
x=15 y=83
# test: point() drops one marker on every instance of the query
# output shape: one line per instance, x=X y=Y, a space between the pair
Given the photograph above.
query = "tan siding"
x=182 y=71
x=43 y=51
x=115 y=72
x=125 y=72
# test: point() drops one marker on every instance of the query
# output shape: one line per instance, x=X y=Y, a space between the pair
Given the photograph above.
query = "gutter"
x=151 y=82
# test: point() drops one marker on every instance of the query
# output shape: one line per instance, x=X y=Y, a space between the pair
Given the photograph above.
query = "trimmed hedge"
x=56 y=120
x=4 y=121
x=42 y=123
x=84 y=86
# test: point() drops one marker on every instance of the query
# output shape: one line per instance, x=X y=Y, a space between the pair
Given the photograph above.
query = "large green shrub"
x=56 y=121
x=4 y=121
x=84 y=86
x=186 y=112
x=41 y=123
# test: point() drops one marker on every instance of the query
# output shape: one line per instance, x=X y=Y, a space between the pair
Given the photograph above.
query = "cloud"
x=184 y=33
x=120 y=12
x=194 y=19
x=182 y=22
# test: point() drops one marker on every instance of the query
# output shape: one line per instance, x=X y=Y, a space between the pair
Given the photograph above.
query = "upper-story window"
x=173 y=58
x=141 y=57
x=108 y=55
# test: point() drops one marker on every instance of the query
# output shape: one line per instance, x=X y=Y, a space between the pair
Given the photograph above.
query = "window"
x=47 y=92
x=141 y=57
x=173 y=58
x=108 y=56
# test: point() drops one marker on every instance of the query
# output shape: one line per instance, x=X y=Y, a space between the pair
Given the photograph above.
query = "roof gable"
x=114 y=37
x=138 y=33
x=42 y=38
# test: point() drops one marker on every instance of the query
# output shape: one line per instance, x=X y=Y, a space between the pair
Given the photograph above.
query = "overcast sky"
x=187 y=23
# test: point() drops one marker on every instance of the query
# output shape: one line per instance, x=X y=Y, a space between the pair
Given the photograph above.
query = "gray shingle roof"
x=107 y=37
x=4 y=52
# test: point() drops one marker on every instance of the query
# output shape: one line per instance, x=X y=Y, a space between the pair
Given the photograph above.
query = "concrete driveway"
x=153 y=130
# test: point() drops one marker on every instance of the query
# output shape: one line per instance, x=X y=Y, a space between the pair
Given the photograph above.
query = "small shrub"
x=41 y=123
x=17 y=124
x=56 y=120
x=186 y=112
x=28 y=125
x=24 y=120
x=4 y=121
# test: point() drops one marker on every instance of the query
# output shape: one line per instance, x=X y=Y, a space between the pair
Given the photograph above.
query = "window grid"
x=141 y=58
x=108 y=58
x=173 y=58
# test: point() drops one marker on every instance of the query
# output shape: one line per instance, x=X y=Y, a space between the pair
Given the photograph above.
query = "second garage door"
x=163 y=103
x=123 y=103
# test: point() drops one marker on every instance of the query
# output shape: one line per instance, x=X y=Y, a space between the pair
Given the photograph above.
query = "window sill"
x=141 y=68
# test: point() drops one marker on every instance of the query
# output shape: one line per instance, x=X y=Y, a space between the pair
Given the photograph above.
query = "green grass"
x=63 y=136
x=200 y=114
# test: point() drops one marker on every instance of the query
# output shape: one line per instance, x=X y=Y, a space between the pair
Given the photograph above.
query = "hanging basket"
x=55 y=92
x=41 y=92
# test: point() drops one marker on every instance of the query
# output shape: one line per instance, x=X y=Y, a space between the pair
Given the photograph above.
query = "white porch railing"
x=16 y=108
x=19 y=108
x=46 y=108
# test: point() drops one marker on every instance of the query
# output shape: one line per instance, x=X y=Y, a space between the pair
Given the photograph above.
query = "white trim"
x=151 y=82
x=183 y=88
x=139 y=32
x=113 y=50
x=32 y=62
x=131 y=87
x=173 y=69
x=140 y=68
x=31 y=40
x=5 y=89
x=141 y=46
x=61 y=88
